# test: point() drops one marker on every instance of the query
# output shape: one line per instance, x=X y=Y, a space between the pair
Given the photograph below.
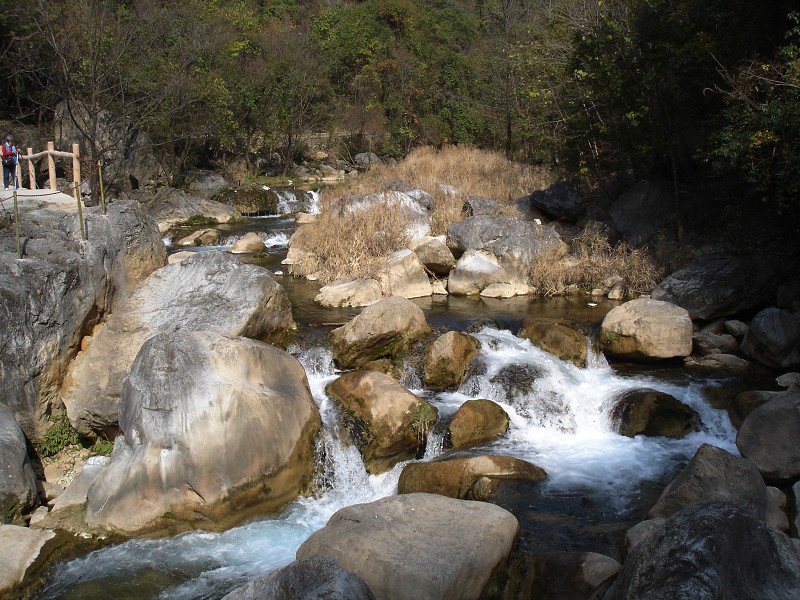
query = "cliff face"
x=59 y=290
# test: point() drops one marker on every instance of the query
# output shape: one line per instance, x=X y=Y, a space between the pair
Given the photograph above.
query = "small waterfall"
x=559 y=420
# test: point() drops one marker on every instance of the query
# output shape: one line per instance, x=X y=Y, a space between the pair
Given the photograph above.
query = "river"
x=599 y=482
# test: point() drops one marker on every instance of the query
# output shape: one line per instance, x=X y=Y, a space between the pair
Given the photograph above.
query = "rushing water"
x=559 y=421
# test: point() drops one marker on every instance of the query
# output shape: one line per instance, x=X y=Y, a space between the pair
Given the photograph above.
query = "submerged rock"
x=214 y=429
x=711 y=551
x=388 y=423
x=210 y=291
x=418 y=545
x=650 y=412
x=476 y=422
x=447 y=359
x=559 y=340
x=383 y=330
x=320 y=577
x=470 y=478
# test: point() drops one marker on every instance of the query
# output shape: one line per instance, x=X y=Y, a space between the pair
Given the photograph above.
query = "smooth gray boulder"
x=170 y=206
x=435 y=255
x=59 y=290
x=773 y=339
x=769 y=435
x=475 y=271
x=559 y=201
x=717 y=285
x=403 y=274
x=709 y=552
x=320 y=577
x=18 y=494
x=515 y=243
x=647 y=329
x=210 y=291
x=349 y=292
x=418 y=545
x=714 y=474
x=22 y=547
x=382 y=330
x=214 y=429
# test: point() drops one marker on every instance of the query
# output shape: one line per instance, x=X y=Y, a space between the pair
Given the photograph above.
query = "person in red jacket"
x=10 y=159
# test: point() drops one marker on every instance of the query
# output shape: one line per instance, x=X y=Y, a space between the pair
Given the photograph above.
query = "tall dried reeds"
x=591 y=261
x=353 y=243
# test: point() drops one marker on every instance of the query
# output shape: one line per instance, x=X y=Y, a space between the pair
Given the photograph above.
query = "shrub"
x=593 y=259
x=60 y=435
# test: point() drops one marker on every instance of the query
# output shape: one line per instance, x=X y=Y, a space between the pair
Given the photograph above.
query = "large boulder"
x=650 y=412
x=206 y=184
x=475 y=271
x=22 y=547
x=714 y=475
x=768 y=437
x=557 y=575
x=350 y=292
x=169 y=206
x=469 y=478
x=708 y=552
x=559 y=201
x=319 y=577
x=418 y=545
x=403 y=274
x=717 y=285
x=59 y=290
x=214 y=429
x=773 y=339
x=383 y=330
x=476 y=422
x=447 y=359
x=559 y=340
x=647 y=329
x=515 y=243
x=388 y=423
x=209 y=291
x=18 y=494
x=642 y=211
x=435 y=255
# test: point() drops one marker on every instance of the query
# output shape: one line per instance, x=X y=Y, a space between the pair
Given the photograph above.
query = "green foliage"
x=102 y=448
x=60 y=435
x=423 y=418
x=199 y=221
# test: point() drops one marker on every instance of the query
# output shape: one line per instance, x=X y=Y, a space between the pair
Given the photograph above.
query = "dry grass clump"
x=352 y=244
x=592 y=260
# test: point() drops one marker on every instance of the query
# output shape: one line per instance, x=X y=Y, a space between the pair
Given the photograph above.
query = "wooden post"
x=31 y=171
x=16 y=223
x=51 y=165
x=102 y=195
x=76 y=183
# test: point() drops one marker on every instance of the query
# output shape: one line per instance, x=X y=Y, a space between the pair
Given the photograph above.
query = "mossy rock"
x=447 y=360
x=653 y=413
x=559 y=340
x=476 y=422
x=250 y=201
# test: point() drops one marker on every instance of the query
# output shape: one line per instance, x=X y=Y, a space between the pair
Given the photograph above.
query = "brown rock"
x=650 y=412
x=559 y=340
x=477 y=421
x=447 y=359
